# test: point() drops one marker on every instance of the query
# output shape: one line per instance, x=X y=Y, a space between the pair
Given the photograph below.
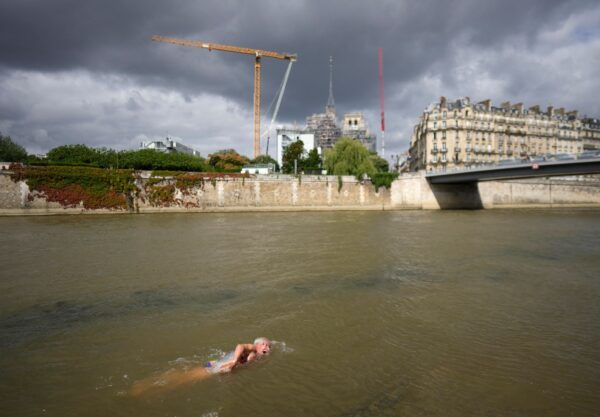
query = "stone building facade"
x=461 y=134
x=355 y=126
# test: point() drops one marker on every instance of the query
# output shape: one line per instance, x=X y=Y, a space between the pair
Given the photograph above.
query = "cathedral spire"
x=330 y=108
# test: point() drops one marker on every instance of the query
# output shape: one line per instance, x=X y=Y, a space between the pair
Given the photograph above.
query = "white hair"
x=261 y=340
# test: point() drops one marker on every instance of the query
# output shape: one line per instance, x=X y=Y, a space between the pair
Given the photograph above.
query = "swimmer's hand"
x=227 y=366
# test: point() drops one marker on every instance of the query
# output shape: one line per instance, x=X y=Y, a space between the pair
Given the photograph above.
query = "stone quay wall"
x=255 y=193
x=304 y=193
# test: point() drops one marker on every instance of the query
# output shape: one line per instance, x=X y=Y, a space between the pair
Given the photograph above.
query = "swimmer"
x=243 y=353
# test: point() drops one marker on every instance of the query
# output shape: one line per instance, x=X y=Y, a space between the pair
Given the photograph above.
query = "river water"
x=412 y=313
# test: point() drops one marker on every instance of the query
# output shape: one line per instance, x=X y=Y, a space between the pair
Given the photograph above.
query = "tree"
x=227 y=160
x=313 y=161
x=11 y=151
x=73 y=154
x=349 y=157
x=265 y=159
x=293 y=152
x=380 y=164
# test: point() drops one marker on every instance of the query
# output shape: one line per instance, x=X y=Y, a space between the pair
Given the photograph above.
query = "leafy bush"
x=383 y=179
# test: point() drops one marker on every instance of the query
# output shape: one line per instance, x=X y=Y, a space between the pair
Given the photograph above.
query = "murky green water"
x=486 y=313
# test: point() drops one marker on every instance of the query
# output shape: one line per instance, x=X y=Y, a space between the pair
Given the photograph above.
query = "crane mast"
x=258 y=54
x=381 y=102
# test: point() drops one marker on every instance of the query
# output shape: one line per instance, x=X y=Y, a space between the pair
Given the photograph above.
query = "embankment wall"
x=256 y=193
x=289 y=193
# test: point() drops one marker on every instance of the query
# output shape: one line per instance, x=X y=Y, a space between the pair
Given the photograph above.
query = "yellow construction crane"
x=258 y=54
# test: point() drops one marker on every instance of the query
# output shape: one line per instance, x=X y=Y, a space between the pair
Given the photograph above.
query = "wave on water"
x=281 y=346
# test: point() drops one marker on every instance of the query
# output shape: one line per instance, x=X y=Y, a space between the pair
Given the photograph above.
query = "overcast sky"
x=86 y=71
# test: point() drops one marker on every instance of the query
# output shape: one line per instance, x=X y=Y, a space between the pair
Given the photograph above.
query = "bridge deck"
x=517 y=171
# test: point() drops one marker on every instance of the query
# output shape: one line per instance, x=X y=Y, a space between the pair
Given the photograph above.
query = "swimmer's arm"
x=237 y=354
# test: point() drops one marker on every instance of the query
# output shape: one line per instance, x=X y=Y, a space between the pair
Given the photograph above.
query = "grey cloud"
x=422 y=41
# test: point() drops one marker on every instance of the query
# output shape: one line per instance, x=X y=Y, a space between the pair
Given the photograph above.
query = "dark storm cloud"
x=422 y=40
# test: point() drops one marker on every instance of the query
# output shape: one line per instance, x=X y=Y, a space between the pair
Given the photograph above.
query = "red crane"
x=381 y=102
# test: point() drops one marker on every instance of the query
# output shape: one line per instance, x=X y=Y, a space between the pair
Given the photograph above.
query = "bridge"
x=518 y=170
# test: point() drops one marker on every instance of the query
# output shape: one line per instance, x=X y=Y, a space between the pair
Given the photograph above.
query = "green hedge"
x=150 y=159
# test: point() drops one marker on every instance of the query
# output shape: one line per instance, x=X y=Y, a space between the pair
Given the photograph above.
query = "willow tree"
x=349 y=157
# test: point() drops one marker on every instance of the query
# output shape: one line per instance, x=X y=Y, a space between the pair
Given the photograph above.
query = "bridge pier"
x=414 y=191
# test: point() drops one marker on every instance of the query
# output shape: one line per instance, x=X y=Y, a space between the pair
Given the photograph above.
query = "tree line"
x=347 y=157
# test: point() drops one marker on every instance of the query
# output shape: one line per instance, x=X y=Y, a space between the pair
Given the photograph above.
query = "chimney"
x=550 y=111
x=487 y=104
x=573 y=113
x=443 y=102
x=535 y=109
x=560 y=112
x=505 y=105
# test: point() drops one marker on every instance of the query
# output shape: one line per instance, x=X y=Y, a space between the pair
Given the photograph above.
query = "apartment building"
x=461 y=133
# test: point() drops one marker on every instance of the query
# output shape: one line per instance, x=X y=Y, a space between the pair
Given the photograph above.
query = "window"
x=444 y=124
x=444 y=114
x=456 y=123
x=435 y=125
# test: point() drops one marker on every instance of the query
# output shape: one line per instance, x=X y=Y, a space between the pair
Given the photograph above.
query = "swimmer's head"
x=262 y=345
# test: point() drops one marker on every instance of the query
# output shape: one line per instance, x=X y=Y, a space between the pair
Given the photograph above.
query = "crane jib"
x=258 y=54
